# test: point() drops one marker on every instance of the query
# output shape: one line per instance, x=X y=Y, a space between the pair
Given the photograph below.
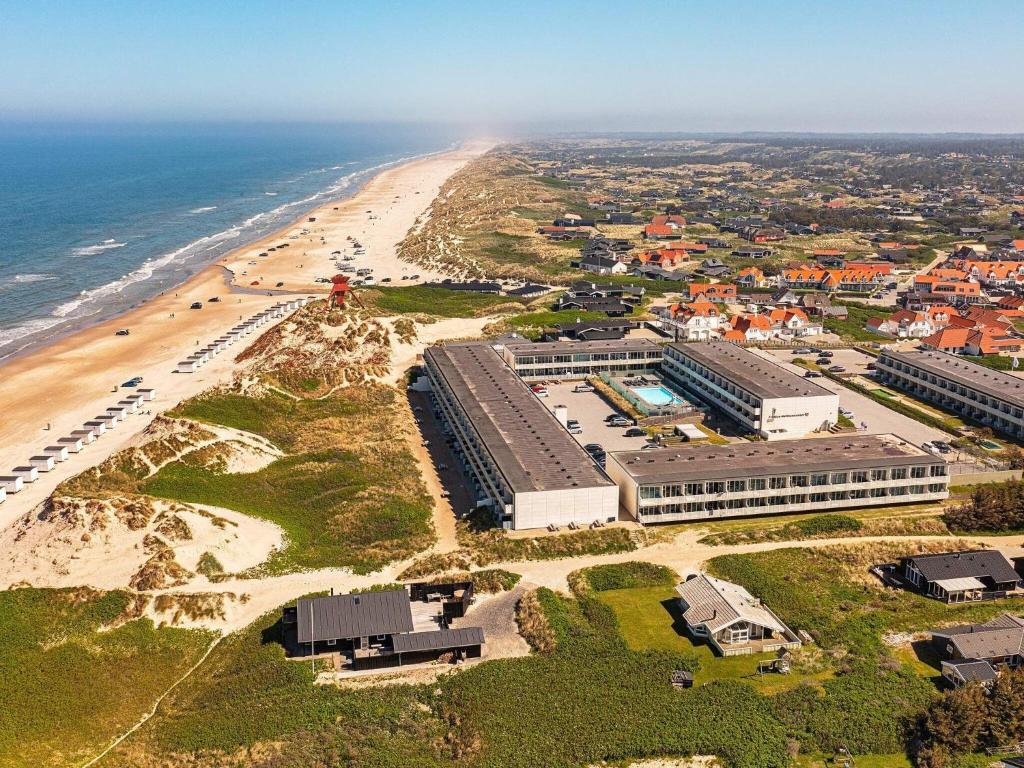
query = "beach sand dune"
x=76 y=378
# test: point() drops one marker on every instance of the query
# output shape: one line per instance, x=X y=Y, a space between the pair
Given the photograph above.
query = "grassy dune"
x=69 y=682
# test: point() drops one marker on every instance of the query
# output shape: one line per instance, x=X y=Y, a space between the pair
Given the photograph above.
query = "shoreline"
x=75 y=325
x=50 y=391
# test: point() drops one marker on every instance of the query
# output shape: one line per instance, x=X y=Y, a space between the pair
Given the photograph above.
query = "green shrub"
x=827 y=524
x=602 y=578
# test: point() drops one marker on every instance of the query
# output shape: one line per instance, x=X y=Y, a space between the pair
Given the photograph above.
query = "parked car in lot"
x=836 y=369
x=618 y=421
x=822 y=361
x=803 y=351
x=649 y=447
x=539 y=391
x=583 y=388
x=825 y=353
x=574 y=427
x=812 y=375
x=593 y=448
x=635 y=432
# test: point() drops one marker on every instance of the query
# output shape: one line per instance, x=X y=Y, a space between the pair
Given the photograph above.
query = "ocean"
x=95 y=219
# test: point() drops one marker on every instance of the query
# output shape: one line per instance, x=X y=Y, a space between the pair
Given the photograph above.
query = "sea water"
x=96 y=218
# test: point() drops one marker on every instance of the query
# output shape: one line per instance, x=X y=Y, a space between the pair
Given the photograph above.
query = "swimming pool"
x=658 y=395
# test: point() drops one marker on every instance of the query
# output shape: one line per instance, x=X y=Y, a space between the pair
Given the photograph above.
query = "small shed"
x=43 y=462
x=148 y=394
x=187 y=366
x=681 y=678
x=88 y=434
x=59 y=452
x=12 y=483
x=28 y=474
x=73 y=443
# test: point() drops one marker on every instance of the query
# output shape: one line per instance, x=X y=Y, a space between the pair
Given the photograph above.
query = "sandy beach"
x=46 y=394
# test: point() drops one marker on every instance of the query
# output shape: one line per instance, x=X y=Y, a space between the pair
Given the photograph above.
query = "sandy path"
x=71 y=381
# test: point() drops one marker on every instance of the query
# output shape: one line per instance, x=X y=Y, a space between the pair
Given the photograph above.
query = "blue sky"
x=858 y=65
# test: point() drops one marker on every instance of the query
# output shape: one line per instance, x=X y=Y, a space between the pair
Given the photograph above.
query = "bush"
x=827 y=524
x=602 y=578
x=997 y=507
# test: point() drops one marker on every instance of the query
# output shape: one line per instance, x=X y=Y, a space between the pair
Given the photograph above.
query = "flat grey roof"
x=438 y=639
x=762 y=378
x=339 y=617
x=1000 y=384
x=719 y=462
x=528 y=445
x=567 y=347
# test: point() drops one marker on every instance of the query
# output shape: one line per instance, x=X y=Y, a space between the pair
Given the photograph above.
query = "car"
x=213 y=299
x=196 y=305
x=415 y=277
x=943 y=447
x=619 y=421
x=825 y=353
x=405 y=277
x=649 y=446
x=321 y=280
x=593 y=448
x=836 y=369
x=279 y=285
x=385 y=279
x=540 y=391
x=812 y=375
x=583 y=388
x=133 y=382
x=121 y=332
x=635 y=432
x=574 y=428
x=255 y=282
x=846 y=412
x=803 y=351
x=822 y=361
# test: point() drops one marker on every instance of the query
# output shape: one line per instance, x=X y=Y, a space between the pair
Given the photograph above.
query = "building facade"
x=522 y=463
x=994 y=398
x=760 y=395
x=714 y=481
x=579 y=359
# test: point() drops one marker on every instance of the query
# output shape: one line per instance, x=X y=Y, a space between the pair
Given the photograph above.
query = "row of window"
x=919 y=376
x=586 y=357
x=761 y=502
x=714 y=487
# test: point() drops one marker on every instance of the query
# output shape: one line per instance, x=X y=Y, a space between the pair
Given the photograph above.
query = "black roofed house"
x=713 y=267
x=628 y=293
x=472 y=286
x=957 y=577
x=601 y=265
x=713 y=242
x=973 y=653
x=752 y=252
x=623 y=218
x=528 y=291
x=378 y=629
x=610 y=306
x=592 y=330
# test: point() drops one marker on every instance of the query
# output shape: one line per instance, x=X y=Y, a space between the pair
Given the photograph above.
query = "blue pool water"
x=657 y=395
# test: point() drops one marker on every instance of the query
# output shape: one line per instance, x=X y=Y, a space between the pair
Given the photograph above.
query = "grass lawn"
x=441 y=302
x=71 y=679
x=852 y=328
x=650 y=620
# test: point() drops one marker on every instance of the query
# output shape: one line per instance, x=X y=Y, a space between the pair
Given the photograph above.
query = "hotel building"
x=579 y=359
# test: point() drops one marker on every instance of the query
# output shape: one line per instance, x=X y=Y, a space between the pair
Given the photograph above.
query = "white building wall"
x=538 y=509
x=790 y=417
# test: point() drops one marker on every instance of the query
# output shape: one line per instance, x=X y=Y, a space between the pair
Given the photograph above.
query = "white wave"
x=204 y=209
x=18 y=332
x=32 y=277
x=270 y=194
x=92 y=250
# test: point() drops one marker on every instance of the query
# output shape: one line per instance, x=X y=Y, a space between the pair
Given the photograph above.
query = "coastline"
x=41 y=340
x=75 y=377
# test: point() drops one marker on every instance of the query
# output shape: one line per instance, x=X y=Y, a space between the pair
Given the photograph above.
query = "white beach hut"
x=12 y=483
x=73 y=444
x=59 y=452
x=28 y=474
x=95 y=427
x=130 y=405
x=110 y=419
x=119 y=411
x=148 y=394
x=187 y=366
x=43 y=462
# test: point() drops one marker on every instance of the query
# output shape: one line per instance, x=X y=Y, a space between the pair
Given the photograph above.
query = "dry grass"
x=533 y=623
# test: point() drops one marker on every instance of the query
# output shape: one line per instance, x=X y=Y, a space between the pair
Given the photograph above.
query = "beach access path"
x=73 y=380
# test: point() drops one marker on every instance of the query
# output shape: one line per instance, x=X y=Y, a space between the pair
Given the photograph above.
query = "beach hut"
x=12 y=483
x=137 y=398
x=28 y=474
x=148 y=394
x=95 y=428
x=59 y=452
x=44 y=462
x=187 y=366
x=119 y=411
x=73 y=444
x=109 y=419
x=130 y=405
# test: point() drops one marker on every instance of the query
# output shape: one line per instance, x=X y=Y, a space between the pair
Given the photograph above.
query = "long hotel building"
x=524 y=463
x=714 y=481
x=994 y=398
x=760 y=395
x=579 y=359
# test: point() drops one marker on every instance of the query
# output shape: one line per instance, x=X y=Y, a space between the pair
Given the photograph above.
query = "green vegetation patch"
x=602 y=578
x=495 y=546
x=440 y=302
x=993 y=508
x=75 y=672
x=348 y=492
x=852 y=327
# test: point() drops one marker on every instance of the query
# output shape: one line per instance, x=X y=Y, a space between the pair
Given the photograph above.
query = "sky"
x=527 y=66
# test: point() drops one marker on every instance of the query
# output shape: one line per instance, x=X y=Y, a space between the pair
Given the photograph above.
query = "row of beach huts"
x=197 y=360
x=61 y=450
x=52 y=455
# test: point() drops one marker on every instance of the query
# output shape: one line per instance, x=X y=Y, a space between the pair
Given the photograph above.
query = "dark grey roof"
x=763 y=459
x=957 y=565
x=530 y=448
x=528 y=290
x=761 y=378
x=973 y=671
x=438 y=640
x=339 y=617
x=994 y=639
x=582 y=347
x=998 y=384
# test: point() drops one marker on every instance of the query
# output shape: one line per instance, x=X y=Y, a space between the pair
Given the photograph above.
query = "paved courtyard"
x=590 y=410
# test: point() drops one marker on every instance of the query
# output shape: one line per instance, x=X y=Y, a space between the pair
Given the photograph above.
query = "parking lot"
x=590 y=410
x=876 y=418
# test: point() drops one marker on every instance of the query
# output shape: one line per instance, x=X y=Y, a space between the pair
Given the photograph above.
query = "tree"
x=994 y=507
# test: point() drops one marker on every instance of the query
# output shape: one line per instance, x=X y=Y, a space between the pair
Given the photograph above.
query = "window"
x=899 y=473
x=777 y=482
x=694 y=489
x=938 y=470
x=332 y=641
x=716 y=487
x=798 y=481
x=819 y=479
x=650 y=491
x=737 y=486
x=839 y=478
x=919 y=472
x=817 y=497
x=859 y=477
x=879 y=474
x=757 y=484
